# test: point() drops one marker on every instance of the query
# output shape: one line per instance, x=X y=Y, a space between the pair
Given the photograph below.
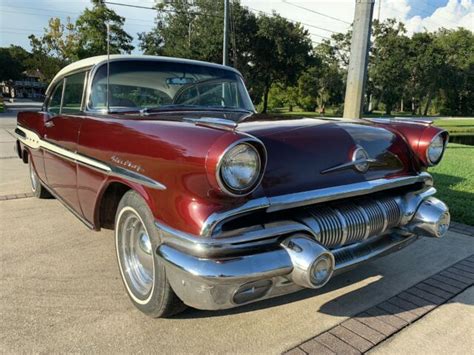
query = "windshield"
x=161 y=85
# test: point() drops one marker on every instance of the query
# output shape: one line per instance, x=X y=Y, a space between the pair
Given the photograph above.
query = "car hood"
x=307 y=154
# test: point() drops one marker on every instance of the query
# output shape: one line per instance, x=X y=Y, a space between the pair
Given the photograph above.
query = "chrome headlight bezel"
x=436 y=140
x=260 y=154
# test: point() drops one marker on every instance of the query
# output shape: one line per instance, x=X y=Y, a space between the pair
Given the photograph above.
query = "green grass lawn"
x=456 y=126
x=454 y=180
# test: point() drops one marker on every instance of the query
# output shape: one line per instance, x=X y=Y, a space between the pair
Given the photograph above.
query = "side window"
x=72 y=101
x=55 y=101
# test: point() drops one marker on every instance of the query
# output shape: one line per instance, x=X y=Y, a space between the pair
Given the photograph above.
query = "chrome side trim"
x=32 y=140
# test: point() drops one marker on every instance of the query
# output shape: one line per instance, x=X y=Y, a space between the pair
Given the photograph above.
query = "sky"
x=19 y=18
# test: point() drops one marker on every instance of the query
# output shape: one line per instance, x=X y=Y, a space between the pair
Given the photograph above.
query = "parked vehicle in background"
x=214 y=206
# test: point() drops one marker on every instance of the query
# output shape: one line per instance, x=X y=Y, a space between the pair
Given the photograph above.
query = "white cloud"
x=456 y=13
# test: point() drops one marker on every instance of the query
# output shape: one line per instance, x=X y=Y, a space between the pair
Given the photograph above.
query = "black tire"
x=136 y=240
x=37 y=188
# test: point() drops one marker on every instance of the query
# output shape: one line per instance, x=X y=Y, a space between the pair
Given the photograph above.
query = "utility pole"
x=380 y=8
x=225 y=49
x=356 y=76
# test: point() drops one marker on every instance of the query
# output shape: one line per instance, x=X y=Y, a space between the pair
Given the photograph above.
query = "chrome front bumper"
x=221 y=273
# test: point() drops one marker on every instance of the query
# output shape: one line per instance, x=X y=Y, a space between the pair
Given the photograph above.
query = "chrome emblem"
x=360 y=159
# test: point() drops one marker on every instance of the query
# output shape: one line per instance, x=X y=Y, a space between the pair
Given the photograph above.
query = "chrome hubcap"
x=135 y=253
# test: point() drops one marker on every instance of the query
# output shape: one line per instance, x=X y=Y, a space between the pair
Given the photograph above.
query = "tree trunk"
x=290 y=108
x=428 y=103
x=377 y=103
x=265 y=98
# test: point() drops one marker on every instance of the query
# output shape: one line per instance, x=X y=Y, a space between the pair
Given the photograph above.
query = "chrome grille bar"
x=346 y=223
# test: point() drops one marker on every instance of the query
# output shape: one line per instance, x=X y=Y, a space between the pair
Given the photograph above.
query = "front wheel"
x=143 y=274
x=37 y=187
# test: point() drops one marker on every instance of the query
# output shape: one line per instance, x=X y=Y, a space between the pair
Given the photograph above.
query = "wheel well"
x=24 y=156
x=109 y=203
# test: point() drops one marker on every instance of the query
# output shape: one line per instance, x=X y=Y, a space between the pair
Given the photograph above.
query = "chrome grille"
x=350 y=222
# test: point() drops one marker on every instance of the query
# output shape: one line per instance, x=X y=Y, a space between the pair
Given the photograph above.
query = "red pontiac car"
x=213 y=206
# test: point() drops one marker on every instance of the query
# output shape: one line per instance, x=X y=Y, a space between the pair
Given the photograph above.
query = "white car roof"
x=101 y=59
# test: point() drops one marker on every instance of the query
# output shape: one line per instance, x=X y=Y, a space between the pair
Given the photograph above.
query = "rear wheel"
x=143 y=274
x=37 y=187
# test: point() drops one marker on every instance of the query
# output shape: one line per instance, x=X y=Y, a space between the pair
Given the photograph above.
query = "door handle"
x=49 y=124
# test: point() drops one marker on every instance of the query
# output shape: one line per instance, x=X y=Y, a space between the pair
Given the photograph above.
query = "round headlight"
x=240 y=169
x=435 y=150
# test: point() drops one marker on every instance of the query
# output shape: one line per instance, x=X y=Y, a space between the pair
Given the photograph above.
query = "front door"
x=61 y=135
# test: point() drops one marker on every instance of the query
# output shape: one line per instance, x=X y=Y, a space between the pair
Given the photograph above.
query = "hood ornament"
x=360 y=161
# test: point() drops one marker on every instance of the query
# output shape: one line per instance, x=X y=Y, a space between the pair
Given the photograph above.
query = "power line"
x=160 y=10
x=293 y=21
x=63 y=17
x=130 y=5
x=316 y=12
x=314 y=34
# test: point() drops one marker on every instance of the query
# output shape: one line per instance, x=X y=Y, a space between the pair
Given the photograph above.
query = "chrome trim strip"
x=363 y=252
x=278 y=203
x=305 y=198
x=213 y=122
x=239 y=269
x=214 y=219
x=32 y=140
x=232 y=242
x=349 y=165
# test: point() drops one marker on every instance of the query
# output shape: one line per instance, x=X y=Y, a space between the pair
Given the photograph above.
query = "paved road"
x=60 y=289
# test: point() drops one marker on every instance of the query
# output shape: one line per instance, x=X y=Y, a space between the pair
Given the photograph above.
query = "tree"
x=457 y=74
x=280 y=58
x=92 y=32
x=87 y=37
x=389 y=68
x=12 y=63
x=59 y=40
x=195 y=32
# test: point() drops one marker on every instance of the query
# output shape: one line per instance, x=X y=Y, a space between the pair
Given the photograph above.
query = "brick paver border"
x=9 y=157
x=462 y=228
x=367 y=329
x=16 y=196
